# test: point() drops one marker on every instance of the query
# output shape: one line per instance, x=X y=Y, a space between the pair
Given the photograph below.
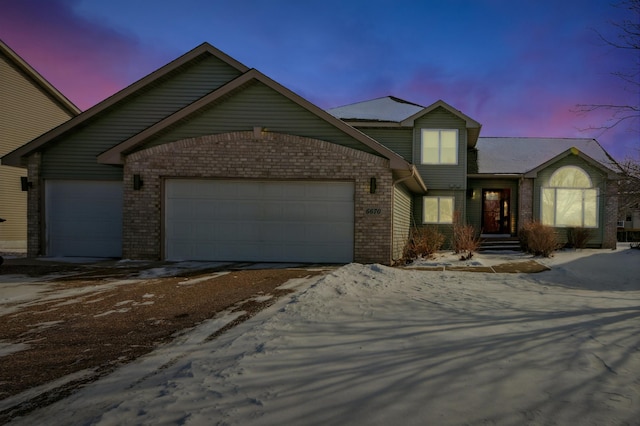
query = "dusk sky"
x=519 y=67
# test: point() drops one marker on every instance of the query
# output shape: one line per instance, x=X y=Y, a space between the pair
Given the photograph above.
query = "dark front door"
x=496 y=211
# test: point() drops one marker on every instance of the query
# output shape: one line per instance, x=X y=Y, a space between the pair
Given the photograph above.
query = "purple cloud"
x=85 y=60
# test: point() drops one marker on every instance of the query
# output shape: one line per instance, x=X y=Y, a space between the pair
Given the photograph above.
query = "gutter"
x=414 y=174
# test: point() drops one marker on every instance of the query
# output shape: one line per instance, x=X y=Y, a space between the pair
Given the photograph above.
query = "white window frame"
x=440 y=220
x=430 y=159
x=549 y=194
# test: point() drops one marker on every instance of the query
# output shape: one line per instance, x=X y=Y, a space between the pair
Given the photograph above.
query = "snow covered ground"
x=373 y=345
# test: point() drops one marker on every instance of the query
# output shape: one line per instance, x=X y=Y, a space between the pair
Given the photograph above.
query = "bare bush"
x=423 y=242
x=578 y=237
x=538 y=239
x=465 y=241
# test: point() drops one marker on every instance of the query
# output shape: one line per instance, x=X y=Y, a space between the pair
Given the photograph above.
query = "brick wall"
x=525 y=200
x=255 y=155
x=609 y=237
x=35 y=198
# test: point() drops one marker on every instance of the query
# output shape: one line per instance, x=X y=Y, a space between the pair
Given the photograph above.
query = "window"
x=570 y=200
x=439 y=146
x=437 y=210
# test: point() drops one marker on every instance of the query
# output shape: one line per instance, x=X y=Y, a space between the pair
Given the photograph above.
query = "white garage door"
x=269 y=221
x=83 y=218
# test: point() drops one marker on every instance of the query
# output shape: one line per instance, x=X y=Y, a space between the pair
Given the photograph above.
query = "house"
x=29 y=106
x=207 y=159
x=496 y=184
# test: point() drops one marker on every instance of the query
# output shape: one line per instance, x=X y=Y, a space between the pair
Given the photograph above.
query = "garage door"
x=270 y=221
x=83 y=218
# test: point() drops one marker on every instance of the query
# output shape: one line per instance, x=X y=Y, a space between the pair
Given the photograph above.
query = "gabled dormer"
x=434 y=138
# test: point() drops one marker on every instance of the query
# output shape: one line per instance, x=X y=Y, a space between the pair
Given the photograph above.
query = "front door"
x=496 y=214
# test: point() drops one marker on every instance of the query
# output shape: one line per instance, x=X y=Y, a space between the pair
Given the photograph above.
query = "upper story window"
x=439 y=146
x=570 y=199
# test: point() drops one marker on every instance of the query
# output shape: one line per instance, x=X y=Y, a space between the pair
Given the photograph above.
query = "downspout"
x=393 y=195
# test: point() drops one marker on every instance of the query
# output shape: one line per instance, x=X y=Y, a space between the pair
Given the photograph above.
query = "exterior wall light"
x=372 y=185
x=137 y=182
x=25 y=184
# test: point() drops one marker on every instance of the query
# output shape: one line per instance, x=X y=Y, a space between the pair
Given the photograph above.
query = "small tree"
x=629 y=186
x=627 y=39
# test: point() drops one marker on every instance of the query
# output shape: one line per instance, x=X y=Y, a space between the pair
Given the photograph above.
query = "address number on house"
x=373 y=211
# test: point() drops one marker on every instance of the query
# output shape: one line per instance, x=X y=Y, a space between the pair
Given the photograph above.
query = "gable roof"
x=15 y=157
x=572 y=151
x=500 y=155
x=403 y=168
x=114 y=155
x=38 y=80
x=388 y=108
x=390 y=111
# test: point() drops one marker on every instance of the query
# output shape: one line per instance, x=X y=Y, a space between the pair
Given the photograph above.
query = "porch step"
x=499 y=243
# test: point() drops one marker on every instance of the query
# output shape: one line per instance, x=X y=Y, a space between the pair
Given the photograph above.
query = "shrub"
x=423 y=242
x=538 y=239
x=578 y=237
x=464 y=239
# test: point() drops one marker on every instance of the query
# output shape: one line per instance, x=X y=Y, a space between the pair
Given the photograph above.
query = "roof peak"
x=38 y=79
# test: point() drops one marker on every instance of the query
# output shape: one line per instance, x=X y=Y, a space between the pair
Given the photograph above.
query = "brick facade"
x=255 y=155
x=35 y=198
x=609 y=237
x=525 y=202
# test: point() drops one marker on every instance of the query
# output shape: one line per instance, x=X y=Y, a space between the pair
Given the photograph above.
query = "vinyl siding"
x=442 y=176
x=402 y=208
x=399 y=140
x=598 y=180
x=474 y=204
x=257 y=105
x=458 y=206
x=26 y=111
x=74 y=157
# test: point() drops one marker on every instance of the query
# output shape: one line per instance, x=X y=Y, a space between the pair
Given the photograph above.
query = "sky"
x=519 y=67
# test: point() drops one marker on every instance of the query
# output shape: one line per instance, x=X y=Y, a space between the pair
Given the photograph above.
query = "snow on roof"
x=519 y=155
x=388 y=108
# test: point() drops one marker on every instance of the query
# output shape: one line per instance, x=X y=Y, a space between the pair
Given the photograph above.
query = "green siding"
x=402 y=206
x=257 y=105
x=442 y=176
x=74 y=156
x=474 y=204
x=458 y=206
x=598 y=180
x=399 y=140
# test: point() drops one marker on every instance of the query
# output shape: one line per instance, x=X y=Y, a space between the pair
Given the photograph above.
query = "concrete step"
x=499 y=243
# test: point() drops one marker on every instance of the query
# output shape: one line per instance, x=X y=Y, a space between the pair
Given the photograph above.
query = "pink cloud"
x=85 y=60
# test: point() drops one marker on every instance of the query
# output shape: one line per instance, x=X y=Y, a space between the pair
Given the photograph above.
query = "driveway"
x=64 y=324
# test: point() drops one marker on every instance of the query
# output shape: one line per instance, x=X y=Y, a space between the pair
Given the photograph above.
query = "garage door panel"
x=259 y=220
x=83 y=218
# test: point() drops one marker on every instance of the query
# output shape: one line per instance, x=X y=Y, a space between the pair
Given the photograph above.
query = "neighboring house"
x=206 y=159
x=29 y=106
